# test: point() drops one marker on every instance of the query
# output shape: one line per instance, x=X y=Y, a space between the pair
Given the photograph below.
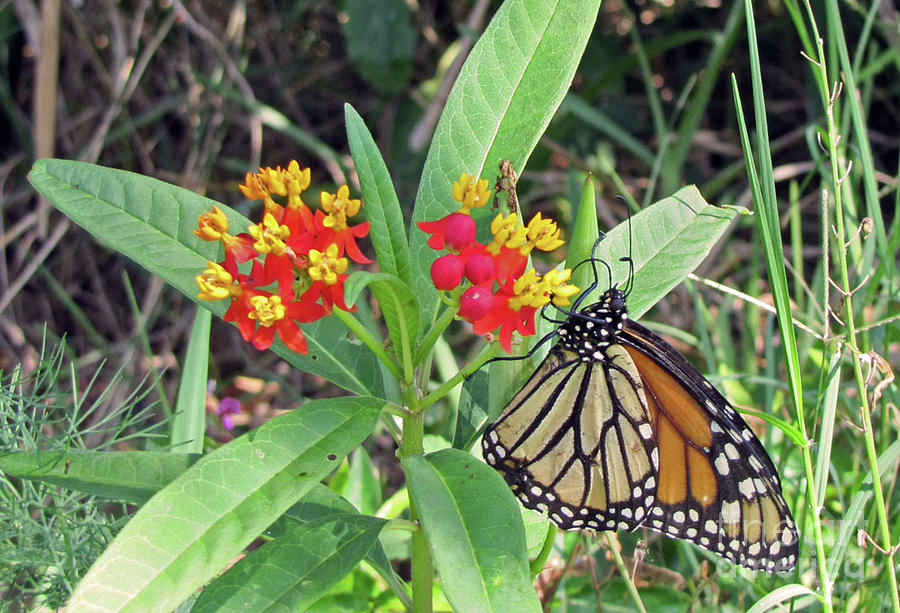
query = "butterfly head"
x=594 y=327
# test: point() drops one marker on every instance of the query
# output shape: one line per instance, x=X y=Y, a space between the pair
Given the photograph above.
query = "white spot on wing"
x=731 y=511
x=721 y=463
x=746 y=488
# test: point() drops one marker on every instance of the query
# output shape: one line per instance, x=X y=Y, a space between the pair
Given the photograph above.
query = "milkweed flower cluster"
x=501 y=292
x=299 y=257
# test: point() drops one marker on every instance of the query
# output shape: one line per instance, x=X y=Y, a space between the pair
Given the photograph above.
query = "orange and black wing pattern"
x=617 y=430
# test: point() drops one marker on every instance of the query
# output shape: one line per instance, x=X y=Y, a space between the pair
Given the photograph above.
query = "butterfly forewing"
x=616 y=429
x=580 y=451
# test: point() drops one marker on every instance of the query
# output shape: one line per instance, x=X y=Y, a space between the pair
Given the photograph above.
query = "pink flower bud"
x=476 y=302
x=460 y=231
x=480 y=269
x=446 y=271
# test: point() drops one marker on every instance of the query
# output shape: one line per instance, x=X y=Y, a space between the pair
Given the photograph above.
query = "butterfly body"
x=617 y=430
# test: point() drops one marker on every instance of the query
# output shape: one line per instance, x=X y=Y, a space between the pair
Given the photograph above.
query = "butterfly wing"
x=717 y=486
x=617 y=430
x=577 y=442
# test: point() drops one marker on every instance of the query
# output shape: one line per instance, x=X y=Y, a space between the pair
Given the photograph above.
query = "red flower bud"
x=460 y=231
x=447 y=271
x=480 y=269
x=476 y=302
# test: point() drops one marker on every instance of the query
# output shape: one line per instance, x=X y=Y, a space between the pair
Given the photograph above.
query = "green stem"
x=488 y=352
x=436 y=330
x=421 y=562
x=838 y=176
x=862 y=387
x=370 y=341
x=623 y=571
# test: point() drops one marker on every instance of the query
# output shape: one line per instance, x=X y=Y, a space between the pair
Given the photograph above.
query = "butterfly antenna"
x=510 y=358
x=629 y=283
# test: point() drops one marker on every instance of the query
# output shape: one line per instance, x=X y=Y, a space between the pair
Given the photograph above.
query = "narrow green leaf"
x=781 y=595
x=152 y=223
x=506 y=93
x=676 y=154
x=398 y=306
x=189 y=420
x=129 y=476
x=296 y=569
x=190 y=530
x=387 y=229
x=463 y=505
x=363 y=489
x=585 y=231
x=593 y=116
x=850 y=519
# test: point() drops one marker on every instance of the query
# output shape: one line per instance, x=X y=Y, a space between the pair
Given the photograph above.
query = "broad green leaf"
x=398 y=306
x=387 y=229
x=381 y=41
x=464 y=505
x=129 y=476
x=190 y=530
x=473 y=409
x=666 y=242
x=322 y=502
x=152 y=223
x=296 y=569
x=506 y=93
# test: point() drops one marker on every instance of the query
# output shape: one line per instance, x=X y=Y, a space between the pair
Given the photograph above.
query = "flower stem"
x=436 y=330
x=421 y=562
x=488 y=352
x=363 y=334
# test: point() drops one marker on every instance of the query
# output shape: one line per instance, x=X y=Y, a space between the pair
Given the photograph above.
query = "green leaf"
x=464 y=505
x=387 y=230
x=380 y=41
x=189 y=420
x=473 y=409
x=363 y=489
x=322 y=502
x=506 y=93
x=152 y=223
x=398 y=306
x=666 y=241
x=130 y=476
x=296 y=569
x=190 y=530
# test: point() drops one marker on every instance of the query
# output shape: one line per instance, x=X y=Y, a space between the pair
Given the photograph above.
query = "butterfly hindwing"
x=717 y=486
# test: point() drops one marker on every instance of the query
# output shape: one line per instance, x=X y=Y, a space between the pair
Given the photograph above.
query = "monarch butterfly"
x=617 y=430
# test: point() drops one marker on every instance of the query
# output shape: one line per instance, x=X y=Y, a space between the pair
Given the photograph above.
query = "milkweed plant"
x=347 y=284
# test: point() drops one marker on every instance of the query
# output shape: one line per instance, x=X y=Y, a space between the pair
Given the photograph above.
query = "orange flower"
x=331 y=224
